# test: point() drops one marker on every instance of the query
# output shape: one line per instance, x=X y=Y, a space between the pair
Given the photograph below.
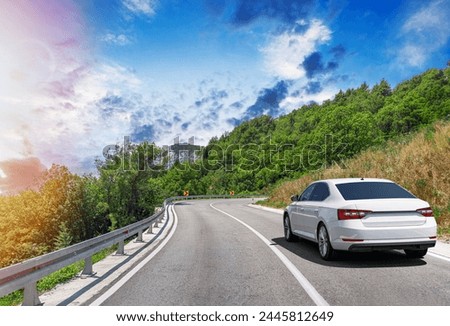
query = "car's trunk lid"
x=392 y=212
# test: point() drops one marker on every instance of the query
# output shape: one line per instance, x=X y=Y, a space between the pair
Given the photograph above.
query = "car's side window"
x=305 y=196
x=320 y=192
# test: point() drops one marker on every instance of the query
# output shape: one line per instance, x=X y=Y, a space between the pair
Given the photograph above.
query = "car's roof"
x=349 y=180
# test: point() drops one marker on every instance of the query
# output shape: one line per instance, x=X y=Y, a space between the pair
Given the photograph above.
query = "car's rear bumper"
x=354 y=236
x=361 y=247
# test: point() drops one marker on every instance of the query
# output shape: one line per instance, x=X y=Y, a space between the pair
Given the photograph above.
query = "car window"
x=372 y=190
x=320 y=192
x=307 y=193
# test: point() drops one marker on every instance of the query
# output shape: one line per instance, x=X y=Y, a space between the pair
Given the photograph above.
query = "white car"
x=360 y=215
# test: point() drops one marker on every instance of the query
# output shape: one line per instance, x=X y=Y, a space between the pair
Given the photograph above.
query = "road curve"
x=215 y=257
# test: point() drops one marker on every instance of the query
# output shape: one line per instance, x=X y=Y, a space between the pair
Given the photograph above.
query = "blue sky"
x=158 y=69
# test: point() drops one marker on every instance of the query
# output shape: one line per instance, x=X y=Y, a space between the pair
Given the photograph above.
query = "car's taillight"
x=351 y=214
x=427 y=211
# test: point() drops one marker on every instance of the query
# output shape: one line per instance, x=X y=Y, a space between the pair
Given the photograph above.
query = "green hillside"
x=262 y=151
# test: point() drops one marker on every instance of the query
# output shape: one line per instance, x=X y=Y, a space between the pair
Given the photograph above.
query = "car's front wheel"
x=416 y=253
x=288 y=235
x=325 y=249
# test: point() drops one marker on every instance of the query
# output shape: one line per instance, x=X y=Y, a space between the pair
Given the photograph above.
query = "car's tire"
x=415 y=253
x=326 y=251
x=288 y=235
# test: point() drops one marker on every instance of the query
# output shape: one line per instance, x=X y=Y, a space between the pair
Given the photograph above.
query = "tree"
x=64 y=238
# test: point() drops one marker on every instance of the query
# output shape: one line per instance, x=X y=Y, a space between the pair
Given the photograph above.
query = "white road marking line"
x=310 y=290
x=438 y=256
x=130 y=274
x=267 y=209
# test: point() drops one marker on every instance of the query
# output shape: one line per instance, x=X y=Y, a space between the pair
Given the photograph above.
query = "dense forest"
x=254 y=157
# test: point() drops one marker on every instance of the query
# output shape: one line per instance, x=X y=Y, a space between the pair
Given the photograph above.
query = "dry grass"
x=421 y=165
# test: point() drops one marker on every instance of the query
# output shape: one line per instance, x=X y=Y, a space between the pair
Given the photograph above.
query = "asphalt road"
x=219 y=257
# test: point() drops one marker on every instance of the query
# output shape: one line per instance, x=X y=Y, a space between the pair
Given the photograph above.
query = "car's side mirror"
x=294 y=198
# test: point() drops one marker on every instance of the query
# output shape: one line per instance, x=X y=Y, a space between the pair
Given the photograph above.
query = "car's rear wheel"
x=288 y=235
x=325 y=249
x=415 y=253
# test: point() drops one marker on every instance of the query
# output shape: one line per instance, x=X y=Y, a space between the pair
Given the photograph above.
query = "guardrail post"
x=150 y=229
x=139 y=237
x=87 y=270
x=121 y=248
x=30 y=295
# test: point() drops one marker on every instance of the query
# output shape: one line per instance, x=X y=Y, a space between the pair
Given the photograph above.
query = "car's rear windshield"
x=372 y=190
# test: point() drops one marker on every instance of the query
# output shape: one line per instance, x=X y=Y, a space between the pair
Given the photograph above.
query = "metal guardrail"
x=26 y=274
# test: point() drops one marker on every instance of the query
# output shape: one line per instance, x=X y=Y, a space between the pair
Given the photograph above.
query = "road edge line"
x=436 y=255
x=266 y=209
x=305 y=284
x=138 y=267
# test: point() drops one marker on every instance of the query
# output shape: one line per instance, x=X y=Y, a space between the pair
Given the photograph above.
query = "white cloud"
x=413 y=55
x=294 y=101
x=61 y=122
x=433 y=17
x=114 y=39
x=43 y=61
x=145 y=7
x=284 y=53
x=76 y=127
x=424 y=32
x=199 y=105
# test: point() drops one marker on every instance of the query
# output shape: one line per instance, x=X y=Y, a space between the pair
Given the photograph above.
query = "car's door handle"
x=302 y=209
x=316 y=210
